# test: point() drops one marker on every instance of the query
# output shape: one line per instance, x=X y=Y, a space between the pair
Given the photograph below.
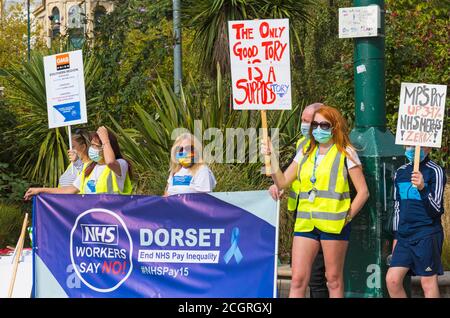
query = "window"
x=55 y=15
x=55 y=21
x=99 y=12
x=76 y=25
x=75 y=17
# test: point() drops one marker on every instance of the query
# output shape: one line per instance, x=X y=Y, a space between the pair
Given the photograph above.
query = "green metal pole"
x=28 y=31
x=370 y=84
x=371 y=238
x=177 y=67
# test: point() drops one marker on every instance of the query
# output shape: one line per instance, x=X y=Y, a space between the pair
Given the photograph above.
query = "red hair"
x=339 y=129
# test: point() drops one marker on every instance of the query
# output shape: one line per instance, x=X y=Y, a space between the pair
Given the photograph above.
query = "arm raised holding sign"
x=108 y=152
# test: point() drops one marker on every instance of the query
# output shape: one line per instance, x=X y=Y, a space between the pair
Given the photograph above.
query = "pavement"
x=284 y=283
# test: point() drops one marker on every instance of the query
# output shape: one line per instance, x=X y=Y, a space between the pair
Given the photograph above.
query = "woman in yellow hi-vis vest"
x=324 y=209
x=108 y=172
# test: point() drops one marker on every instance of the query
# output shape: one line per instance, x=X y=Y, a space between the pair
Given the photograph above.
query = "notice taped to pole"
x=260 y=64
x=421 y=115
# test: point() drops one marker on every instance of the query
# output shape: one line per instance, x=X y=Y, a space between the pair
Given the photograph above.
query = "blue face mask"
x=181 y=155
x=94 y=154
x=410 y=151
x=305 y=129
x=322 y=136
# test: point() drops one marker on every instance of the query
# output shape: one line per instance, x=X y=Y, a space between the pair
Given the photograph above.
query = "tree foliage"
x=417 y=50
x=13 y=43
x=132 y=45
x=209 y=19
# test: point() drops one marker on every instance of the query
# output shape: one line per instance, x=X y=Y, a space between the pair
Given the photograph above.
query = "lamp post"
x=28 y=31
x=177 y=62
x=371 y=238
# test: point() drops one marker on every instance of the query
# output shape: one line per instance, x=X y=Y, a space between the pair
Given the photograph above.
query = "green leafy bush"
x=417 y=45
x=11 y=219
x=12 y=186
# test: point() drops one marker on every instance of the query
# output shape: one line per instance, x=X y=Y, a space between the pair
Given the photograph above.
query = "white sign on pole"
x=421 y=115
x=359 y=22
x=260 y=64
x=64 y=84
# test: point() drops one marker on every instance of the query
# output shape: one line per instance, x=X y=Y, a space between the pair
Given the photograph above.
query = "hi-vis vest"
x=328 y=210
x=301 y=145
x=107 y=183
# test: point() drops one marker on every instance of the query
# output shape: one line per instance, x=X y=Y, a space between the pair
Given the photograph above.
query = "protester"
x=188 y=172
x=418 y=207
x=317 y=283
x=324 y=210
x=78 y=156
x=107 y=173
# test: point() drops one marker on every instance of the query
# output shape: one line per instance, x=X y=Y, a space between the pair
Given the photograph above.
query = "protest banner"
x=421 y=116
x=192 y=245
x=260 y=67
x=64 y=85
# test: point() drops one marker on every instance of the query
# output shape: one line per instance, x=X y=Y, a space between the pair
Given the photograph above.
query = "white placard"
x=64 y=84
x=359 y=22
x=260 y=64
x=421 y=115
x=24 y=277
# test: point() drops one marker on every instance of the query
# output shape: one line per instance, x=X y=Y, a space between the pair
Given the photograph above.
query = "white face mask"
x=94 y=154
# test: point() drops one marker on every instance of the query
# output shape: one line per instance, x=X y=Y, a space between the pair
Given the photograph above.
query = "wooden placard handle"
x=266 y=142
x=19 y=248
x=416 y=160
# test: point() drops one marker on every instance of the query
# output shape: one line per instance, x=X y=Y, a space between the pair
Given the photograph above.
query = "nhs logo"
x=100 y=234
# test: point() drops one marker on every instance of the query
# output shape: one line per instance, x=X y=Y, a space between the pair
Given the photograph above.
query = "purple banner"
x=193 y=245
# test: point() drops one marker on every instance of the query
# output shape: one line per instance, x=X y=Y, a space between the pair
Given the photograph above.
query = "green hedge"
x=11 y=219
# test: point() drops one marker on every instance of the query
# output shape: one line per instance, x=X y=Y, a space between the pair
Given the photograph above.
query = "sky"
x=8 y=3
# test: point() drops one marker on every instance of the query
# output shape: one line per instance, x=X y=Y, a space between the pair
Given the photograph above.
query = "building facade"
x=74 y=18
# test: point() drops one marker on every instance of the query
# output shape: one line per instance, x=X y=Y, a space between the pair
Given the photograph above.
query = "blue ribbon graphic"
x=234 y=249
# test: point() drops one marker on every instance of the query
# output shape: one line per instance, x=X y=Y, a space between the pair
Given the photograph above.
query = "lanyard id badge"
x=312 y=195
x=313 y=179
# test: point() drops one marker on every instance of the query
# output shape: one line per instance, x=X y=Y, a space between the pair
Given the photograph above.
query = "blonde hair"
x=175 y=166
x=340 y=130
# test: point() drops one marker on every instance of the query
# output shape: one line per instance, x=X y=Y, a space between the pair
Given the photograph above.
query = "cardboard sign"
x=421 y=115
x=64 y=84
x=260 y=64
x=359 y=22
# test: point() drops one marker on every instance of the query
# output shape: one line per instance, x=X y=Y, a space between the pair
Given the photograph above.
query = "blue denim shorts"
x=319 y=235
